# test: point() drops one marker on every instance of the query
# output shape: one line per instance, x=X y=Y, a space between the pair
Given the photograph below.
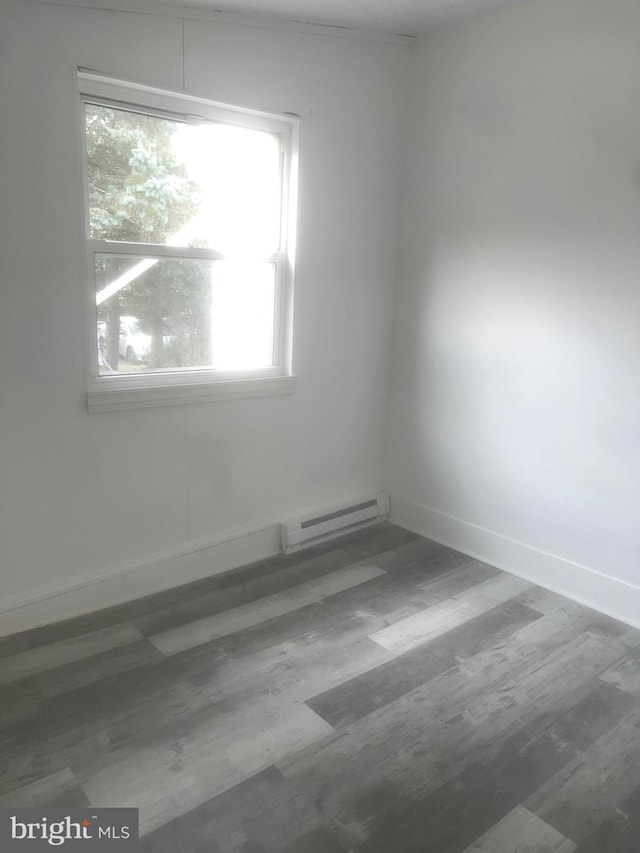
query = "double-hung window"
x=189 y=217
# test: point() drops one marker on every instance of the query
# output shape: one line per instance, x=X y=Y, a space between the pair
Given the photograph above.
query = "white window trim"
x=197 y=390
x=119 y=392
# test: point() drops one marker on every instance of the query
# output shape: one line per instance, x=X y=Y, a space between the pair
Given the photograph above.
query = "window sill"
x=106 y=395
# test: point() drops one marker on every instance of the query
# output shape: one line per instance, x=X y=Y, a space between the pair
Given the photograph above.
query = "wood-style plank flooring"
x=382 y=694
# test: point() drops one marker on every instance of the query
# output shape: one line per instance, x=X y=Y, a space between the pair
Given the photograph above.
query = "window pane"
x=242 y=315
x=167 y=315
x=158 y=180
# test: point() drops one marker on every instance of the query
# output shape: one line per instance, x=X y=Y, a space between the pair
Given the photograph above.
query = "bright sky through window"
x=238 y=174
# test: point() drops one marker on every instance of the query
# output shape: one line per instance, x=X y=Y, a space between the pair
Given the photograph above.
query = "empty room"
x=320 y=426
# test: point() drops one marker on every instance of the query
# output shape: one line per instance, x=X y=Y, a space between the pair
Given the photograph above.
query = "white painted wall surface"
x=83 y=494
x=515 y=399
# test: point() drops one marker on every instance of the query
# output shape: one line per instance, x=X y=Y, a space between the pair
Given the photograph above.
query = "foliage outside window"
x=189 y=242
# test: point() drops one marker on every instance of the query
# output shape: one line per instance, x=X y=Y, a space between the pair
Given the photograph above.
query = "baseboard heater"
x=335 y=521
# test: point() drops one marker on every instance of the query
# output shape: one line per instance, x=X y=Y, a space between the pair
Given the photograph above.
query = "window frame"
x=190 y=385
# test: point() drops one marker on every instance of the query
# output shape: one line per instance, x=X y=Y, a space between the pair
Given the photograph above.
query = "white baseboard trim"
x=135 y=579
x=601 y=592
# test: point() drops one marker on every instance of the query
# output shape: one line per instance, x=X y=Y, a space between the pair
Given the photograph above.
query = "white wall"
x=515 y=400
x=515 y=411
x=83 y=494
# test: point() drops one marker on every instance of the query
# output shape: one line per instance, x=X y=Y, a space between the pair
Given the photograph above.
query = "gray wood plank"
x=562 y=625
x=619 y=832
x=196 y=763
x=46 y=657
x=264 y=809
x=17 y=708
x=239 y=618
x=73 y=727
x=523 y=832
x=430 y=623
x=579 y=797
x=631 y=638
x=546 y=601
x=422 y=559
x=320 y=840
x=298 y=673
x=60 y=790
x=243 y=587
x=387 y=682
x=67 y=678
x=428 y=737
x=457 y=580
x=403 y=591
x=376 y=540
x=159 y=697
x=625 y=674
x=90 y=622
x=460 y=811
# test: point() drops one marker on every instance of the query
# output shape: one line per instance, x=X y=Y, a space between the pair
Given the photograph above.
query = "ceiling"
x=398 y=17
x=406 y=17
